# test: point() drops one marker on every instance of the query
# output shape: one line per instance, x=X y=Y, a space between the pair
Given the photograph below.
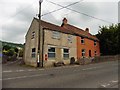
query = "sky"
x=17 y=15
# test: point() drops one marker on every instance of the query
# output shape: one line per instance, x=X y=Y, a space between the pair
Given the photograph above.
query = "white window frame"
x=83 y=52
x=69 y=38
x=95 y=53
x=55 y=35
x=33 y=35
x=33 y=54
x=51 y=52
x=64 y=53
x=82 y=40
x=95 y=43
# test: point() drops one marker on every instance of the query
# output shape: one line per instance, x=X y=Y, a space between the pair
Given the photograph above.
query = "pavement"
x=99 y=75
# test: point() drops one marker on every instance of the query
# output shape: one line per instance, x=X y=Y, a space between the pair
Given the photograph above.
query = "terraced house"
x=60 y=43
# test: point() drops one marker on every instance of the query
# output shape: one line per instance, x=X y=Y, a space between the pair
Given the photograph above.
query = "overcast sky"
x=16 y=15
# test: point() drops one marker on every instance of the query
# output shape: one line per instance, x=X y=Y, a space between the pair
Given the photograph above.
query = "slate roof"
x=68 y=29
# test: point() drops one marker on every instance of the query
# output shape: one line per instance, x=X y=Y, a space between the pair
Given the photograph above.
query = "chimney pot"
x=64 y=21
x=87 y=30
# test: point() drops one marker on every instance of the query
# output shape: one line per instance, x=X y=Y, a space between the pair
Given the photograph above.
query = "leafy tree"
x=21 y=53
x=16 y=50
x=6 y=47
x=10 y=52
x=109 y=39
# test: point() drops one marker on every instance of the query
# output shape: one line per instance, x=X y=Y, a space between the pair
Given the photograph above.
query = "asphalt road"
x=100 y=75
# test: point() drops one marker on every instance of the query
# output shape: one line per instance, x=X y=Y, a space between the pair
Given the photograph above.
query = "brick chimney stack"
x=87 y=30
x=64 y=22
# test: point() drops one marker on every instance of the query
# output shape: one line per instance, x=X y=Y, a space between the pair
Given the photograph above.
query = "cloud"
x=16 y=16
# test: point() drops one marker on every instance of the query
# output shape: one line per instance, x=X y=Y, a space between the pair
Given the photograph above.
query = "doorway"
x=89 y=53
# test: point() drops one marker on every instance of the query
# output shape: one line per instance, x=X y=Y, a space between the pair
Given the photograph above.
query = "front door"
x=89 y=53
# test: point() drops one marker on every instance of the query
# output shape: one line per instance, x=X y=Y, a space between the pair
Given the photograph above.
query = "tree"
x=10 y=52
x=21 y=53
x=6 y=47
x=16 y=50
x=109 y=39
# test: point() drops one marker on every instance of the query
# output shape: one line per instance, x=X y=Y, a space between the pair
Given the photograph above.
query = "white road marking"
x=20 y=70
x=114 y=81
x=109 y=83
x=103 y=85
x=30 y=70
x=23 y=77
x=90 y=68
x=41 y=69
x=7 y=71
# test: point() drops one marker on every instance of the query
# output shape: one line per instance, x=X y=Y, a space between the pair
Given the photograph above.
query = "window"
x=69 y=39
x=82 y=40
x=56 y=35
x=65 y=53
x=51 y=52
x=83 y=52
x=95 y=43
x=33 y=53
x=95 y=53
x=33 y=35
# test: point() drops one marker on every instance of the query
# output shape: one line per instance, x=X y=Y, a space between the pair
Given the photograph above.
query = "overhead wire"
x=61 y=8
x=76 y=11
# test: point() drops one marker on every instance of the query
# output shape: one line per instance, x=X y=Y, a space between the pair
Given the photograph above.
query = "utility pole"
x=40 y=41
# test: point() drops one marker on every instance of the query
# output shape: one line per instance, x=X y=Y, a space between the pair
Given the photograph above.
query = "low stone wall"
x=83 y=61
x=107 y=58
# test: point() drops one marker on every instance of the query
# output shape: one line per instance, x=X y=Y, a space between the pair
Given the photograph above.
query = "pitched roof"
x=69 y=29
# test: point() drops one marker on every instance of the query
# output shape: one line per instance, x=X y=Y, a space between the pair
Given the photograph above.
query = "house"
x=60 y=43
x=87 y=44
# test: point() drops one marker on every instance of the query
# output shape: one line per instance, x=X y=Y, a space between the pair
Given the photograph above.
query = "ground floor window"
x=65 y=53
x=83 y=52
x=51 y=52
x=95 y=53
x=33 y=52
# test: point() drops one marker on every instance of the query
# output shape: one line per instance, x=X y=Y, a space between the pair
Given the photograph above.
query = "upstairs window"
x=82 y=40
x=65 y=53
x=33 y=35
x=95 y=43
x=33 y=52
x=51 y=52
x=55 y=35
x=83 y=52
x=69 y=39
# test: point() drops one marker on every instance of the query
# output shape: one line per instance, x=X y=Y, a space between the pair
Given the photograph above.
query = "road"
x=99 y=75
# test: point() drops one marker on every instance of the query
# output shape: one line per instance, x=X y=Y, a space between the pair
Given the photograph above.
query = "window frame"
x=33 y=53
x=95 y=53
x=66 y=53
x=51 y=52
x=33 y=35
x=83 y=53
x=69 y=38
x=95 y=43
x=82 y=40
x=56 y=35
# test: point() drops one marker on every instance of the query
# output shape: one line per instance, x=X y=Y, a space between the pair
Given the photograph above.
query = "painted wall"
x=59 y=44
x=31 y=43
x=88 y=45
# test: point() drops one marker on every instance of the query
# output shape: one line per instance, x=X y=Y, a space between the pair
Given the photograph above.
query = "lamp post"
x=40 y=33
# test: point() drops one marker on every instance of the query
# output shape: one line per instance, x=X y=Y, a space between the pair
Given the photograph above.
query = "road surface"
x=99 y=75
